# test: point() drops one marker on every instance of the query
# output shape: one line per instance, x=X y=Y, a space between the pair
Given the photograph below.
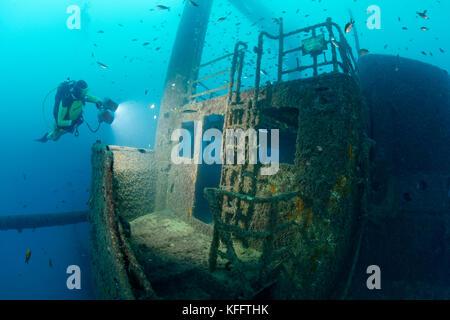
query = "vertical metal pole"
x=314 y=55
x=333 y=48
x=232 y=73
x=280 y=52
x=239 y=76
x=258 y=65
x=186 y=53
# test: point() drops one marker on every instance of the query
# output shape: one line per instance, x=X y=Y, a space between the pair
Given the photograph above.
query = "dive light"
x=106 y=113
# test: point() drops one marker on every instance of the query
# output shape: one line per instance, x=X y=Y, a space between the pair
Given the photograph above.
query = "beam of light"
x=134 y=125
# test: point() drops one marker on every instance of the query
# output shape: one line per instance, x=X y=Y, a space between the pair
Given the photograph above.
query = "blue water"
x=38 y=52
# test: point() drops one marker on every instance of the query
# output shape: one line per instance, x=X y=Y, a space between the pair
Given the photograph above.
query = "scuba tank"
x=64 y=90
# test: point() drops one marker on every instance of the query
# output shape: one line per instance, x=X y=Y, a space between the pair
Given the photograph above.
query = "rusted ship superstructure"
x=223 y=231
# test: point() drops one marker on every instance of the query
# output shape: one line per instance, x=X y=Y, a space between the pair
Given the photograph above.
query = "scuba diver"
x=70 y=98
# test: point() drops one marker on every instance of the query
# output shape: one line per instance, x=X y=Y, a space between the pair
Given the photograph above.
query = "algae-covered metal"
x=155 y=234
x=325 y=172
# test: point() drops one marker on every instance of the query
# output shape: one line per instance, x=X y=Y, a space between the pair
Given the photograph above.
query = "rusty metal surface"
x=116 y=273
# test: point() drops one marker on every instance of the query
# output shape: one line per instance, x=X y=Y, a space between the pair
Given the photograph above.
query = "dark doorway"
x=208 y=175
x=189 y=126
x=286 y=121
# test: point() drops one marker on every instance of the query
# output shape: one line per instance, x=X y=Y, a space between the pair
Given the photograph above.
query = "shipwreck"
x=350 y=179
x=363 y=178
x=221 y=231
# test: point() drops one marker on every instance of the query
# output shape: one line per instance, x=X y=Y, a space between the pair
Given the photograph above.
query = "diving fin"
x=43 y=139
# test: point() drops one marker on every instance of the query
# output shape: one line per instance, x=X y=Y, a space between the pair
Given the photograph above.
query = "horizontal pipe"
x=293 y=50
x=215 y=60
x=31 y=221
x=212 y=75
x=210 y=91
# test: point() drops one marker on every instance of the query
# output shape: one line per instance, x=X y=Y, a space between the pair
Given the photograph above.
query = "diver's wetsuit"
x=67 y=111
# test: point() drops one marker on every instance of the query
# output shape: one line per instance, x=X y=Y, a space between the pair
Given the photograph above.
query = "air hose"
x=90 y=129
x=43 y=108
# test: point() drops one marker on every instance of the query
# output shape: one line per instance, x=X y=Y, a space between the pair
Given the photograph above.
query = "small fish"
x=441 y=50
x=27 y=255
x=193 y=3
x=321 y=89
x=333 y=41
x=145 y=44
x=263 y=72
x=424 y=53
x=100 y=31
x=349 y=26
x=221 y=19
x=161 y=7
x=120 y=25
x=146 y=91
x=363 y=51
x=134 y=40
x=423 y=15
x=424 y=29
x=103 y=66
x=50 y=263
x=405 y=28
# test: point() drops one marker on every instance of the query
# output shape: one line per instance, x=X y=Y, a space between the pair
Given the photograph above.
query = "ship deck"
x=174 y=256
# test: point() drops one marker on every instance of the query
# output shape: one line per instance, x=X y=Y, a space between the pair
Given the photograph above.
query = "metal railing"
x=237 y=65
x=342 y=59
x=227 y=233
x=345 y=61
